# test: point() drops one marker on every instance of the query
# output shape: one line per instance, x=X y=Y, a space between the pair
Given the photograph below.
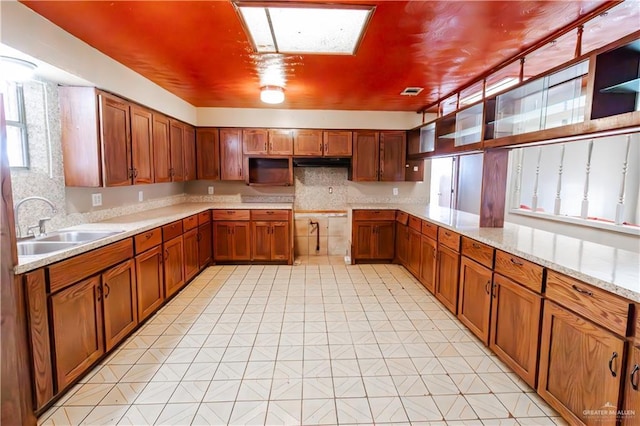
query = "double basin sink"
x=60 y=240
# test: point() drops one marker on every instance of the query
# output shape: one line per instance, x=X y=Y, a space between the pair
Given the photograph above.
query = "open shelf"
x=269 y=171
x=631 y=86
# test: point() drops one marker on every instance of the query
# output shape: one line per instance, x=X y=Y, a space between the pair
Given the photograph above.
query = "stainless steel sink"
x=77 y=236
x=34 y=247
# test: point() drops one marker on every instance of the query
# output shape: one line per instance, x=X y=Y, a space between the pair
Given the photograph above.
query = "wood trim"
x=494 y=188
x=67 y=272
x=38 y=322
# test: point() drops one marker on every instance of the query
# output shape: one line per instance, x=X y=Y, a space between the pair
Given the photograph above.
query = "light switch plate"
x=395 y=191
x=96 y=200
x=140 y=196
x=210 y=190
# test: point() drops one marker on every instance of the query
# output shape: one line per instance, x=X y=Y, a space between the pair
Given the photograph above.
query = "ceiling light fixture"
x=304 y=28
x=13 y=69
x=272 y=94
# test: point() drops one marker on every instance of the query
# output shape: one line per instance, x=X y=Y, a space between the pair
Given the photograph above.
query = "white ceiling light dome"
x=272 y=94
x=13 y=69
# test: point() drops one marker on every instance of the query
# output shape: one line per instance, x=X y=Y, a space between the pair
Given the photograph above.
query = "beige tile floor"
x=308 y=344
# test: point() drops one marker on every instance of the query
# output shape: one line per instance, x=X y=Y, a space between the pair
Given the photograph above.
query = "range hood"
x=322 y=162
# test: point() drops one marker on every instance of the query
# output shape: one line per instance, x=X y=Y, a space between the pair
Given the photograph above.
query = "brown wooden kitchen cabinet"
x=448 y=268
x=379 y=156
x=580 y=366
x=231 y=154
x=205 y=250
x=173 y=247
x=402 y=237
x=150 y=279
x=413 y=245
x=119 y=303
x=373 y=235
x=176 y=139
x=337 y=143
x=255 y=141
x=280 y=142
x=141 y=144
x=189 y=152
x=474 y=299
x=231 y=241
x=77 y=329
x=270 y=235
x=632 y=385
x=191 y=258
x=318 y=143
x=308 y=143
x=161 y=148
x=208 y=153
x=428 y=265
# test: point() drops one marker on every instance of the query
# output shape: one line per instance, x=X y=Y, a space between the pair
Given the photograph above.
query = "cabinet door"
x=515 y=327
x=189 y=153
x=142 y=144
x=261 y=240
x=414 y=171
x=120 y=303
x=428 y=251
x=474 y=299
x=280 y=241
x=363 y=240
x=241 y=241
x=76 y=321
x=255 y=141
x=116 y=140
x=393 y=149
x=308 y=142
x=337 y=143
x=385 y=237
x=222 y=241
x=632 y=387
x=176 y=138
x=230 y=154
x=413 y=252
x=173 y=266
x=208 y=154
x=447 y=278
x=280 y=142
x=366 y=157
x=204 y=245
x=190 y=241
x=149 y=282
x=402 y=243
x=580 y=366
x=161 y=149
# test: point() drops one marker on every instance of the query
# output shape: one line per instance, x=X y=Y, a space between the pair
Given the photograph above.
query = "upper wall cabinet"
x=208 y=153
x=379 y=156
x=318 y=143
x=267 y=142
x=231 y=154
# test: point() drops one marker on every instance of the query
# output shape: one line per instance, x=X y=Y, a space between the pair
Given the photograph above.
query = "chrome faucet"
x=41 y=222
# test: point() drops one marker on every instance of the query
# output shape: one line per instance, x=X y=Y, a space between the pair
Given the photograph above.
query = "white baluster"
x=556 y=206
x=519 y=154
x=625 y=166
x=585 y=197
x=534 y=199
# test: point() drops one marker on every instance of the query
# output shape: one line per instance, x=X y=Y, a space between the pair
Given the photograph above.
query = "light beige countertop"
x=605 y=267
x=130 y=225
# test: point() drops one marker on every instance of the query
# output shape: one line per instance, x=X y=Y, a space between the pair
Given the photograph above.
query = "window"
x=16 y=124
x=456 y=182
x=593 y=182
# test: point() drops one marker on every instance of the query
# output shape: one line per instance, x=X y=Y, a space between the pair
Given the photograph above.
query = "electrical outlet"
x=210 y=190
x=331 y=190
x=395 y=191
x=96 y=200
x=140 y=196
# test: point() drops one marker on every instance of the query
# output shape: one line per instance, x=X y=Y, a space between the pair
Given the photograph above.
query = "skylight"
x=311 y=29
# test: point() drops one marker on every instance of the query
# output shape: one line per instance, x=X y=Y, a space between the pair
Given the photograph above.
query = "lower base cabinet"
x=77 y=329
x=232 y=241
x=190 y=241
x=173 y=266
x=515 y=327
x=204 y=245
x=446 y=290
x=119 y=303
x=149 y=277
x=428 y=255
x=474 y=299
x=631 y=406
x=580 y=367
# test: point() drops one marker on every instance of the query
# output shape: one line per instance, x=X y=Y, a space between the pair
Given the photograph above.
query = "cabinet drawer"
x=597 y=305
x=148 y=239
x=204 y=217
x=481 y=253
x=415 y=223
x=521 y=271
x=374 y=215
x=402 y=217
x=269 y=214
x=190 y=222
x=430 y=230
x=449 y=238
x=231 y=214
x=84 y=265
x=171 y=230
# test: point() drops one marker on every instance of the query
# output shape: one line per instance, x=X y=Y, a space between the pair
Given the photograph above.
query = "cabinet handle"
x=199 y=237
x=265 y=146
x=516 y=262
x=270 y=212
x=270 y=146
x=106 y=294
x=487 y=286
x=475 y=245
x=447 y=234
x=493 y=290
x=99 y=293
x=325 y=148
x=135 y=172
x=613 y=356
x=148 y=235
x=166 y=254
x=581 y=290
x=632 y=376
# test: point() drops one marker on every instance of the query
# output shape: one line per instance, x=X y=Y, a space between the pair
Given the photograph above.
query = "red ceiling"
x=199 y=51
